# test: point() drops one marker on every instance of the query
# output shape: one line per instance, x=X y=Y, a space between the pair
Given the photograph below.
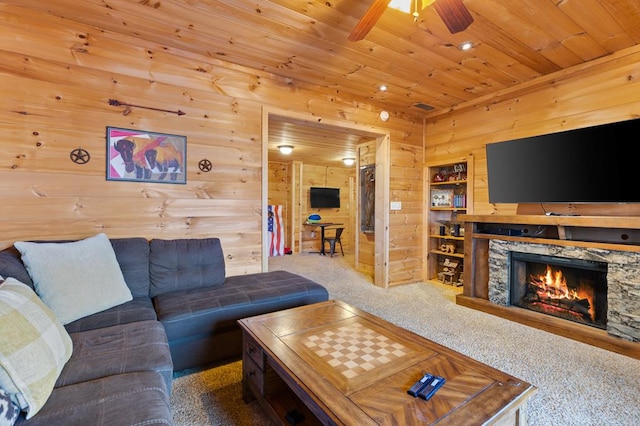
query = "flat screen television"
x=589 y=165
x=324 y=197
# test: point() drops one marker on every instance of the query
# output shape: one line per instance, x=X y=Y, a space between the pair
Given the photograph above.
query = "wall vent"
x=423 y=106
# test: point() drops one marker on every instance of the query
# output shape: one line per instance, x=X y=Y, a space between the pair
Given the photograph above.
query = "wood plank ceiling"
x=305 y=42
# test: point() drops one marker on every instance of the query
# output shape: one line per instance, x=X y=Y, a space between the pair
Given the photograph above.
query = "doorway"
x=329 y=141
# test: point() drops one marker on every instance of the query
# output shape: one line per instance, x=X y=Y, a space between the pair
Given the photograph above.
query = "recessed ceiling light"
x=383 y=87
x=467 y=45
x=285 y=149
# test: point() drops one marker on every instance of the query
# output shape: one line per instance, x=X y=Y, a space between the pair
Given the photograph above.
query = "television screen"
x=590 y=165
x=324 y=197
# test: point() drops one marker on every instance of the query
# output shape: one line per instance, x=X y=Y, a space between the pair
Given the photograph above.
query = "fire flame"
x=553 y=285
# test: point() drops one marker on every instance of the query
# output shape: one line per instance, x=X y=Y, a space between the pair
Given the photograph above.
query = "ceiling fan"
x=454 y=13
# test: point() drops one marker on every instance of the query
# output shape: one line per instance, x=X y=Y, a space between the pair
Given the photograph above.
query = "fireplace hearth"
x=487 y=287
x=622 y=283
x=568 y=288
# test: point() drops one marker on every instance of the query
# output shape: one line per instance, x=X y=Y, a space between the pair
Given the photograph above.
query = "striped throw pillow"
x=34 y=347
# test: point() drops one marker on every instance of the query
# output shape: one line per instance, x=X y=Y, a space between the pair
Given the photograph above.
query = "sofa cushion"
x=184 y=264
x=75 y=279
x=133 y=258
x=201 y=323
x=138 y=398
x=33 y=349
x=138 y=346
x=205 y=310
x=138 y=309
x=12 y=266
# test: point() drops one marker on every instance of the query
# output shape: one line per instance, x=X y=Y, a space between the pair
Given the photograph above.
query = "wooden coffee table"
x=331 y=363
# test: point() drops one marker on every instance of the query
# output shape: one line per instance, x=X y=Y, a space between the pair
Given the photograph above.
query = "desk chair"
x=333 y=240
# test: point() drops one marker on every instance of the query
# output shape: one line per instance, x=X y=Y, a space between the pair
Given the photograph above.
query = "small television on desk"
x=324 y=197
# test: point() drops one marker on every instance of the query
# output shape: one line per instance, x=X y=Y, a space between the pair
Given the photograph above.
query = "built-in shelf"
x=450 y=182
x=444 y=253
x=446 y=237
x=448 y=194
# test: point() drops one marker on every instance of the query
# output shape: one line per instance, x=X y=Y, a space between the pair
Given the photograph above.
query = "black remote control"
x=420 y=384
x=428 y=391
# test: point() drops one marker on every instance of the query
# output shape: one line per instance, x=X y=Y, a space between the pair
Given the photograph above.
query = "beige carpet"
x=578 y=384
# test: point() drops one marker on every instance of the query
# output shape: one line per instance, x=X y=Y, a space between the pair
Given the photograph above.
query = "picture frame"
x=144 y=156
x=442 y=198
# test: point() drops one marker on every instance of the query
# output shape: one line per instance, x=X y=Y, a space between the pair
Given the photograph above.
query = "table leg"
x=322 y=240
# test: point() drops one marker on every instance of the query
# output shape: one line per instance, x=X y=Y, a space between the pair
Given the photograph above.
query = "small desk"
x=322 y=225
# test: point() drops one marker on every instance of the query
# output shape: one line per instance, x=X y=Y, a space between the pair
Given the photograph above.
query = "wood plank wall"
x=605 y=91
x=331 y=177
x=56 y=78
x=407 y=233
x=314 y=175
x=280 y=194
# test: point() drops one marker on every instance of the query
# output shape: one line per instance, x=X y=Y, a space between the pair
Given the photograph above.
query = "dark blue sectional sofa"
x=183 y=315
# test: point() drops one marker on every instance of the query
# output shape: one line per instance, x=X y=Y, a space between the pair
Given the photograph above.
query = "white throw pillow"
x=75 y=279
x=33 y=349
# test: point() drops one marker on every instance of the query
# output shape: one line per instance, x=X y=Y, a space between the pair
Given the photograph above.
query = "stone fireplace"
x=568 y=288
x=595 y=287
x=605 y=245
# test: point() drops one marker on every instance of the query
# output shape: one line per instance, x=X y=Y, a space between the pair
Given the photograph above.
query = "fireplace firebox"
x=573 y=289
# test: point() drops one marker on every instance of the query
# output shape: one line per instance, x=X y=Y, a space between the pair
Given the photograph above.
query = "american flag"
x=276 y=231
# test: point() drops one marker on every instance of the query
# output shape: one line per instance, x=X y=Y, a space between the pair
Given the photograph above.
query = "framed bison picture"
x=140 y=156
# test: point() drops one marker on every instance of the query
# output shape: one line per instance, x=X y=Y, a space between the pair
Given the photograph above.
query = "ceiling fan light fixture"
x=285 y=149
x=349 y=161
x=409 y=6
x=401 y=5
x=454 y=14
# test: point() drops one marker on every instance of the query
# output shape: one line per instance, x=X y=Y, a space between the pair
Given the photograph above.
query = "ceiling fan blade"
x=454 y=13
x=369 y=19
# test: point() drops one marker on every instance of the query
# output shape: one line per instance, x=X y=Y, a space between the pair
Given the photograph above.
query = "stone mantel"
x=620 y=233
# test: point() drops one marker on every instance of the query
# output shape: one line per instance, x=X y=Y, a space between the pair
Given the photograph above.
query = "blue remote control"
x=420 y=384
x=428 y=391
